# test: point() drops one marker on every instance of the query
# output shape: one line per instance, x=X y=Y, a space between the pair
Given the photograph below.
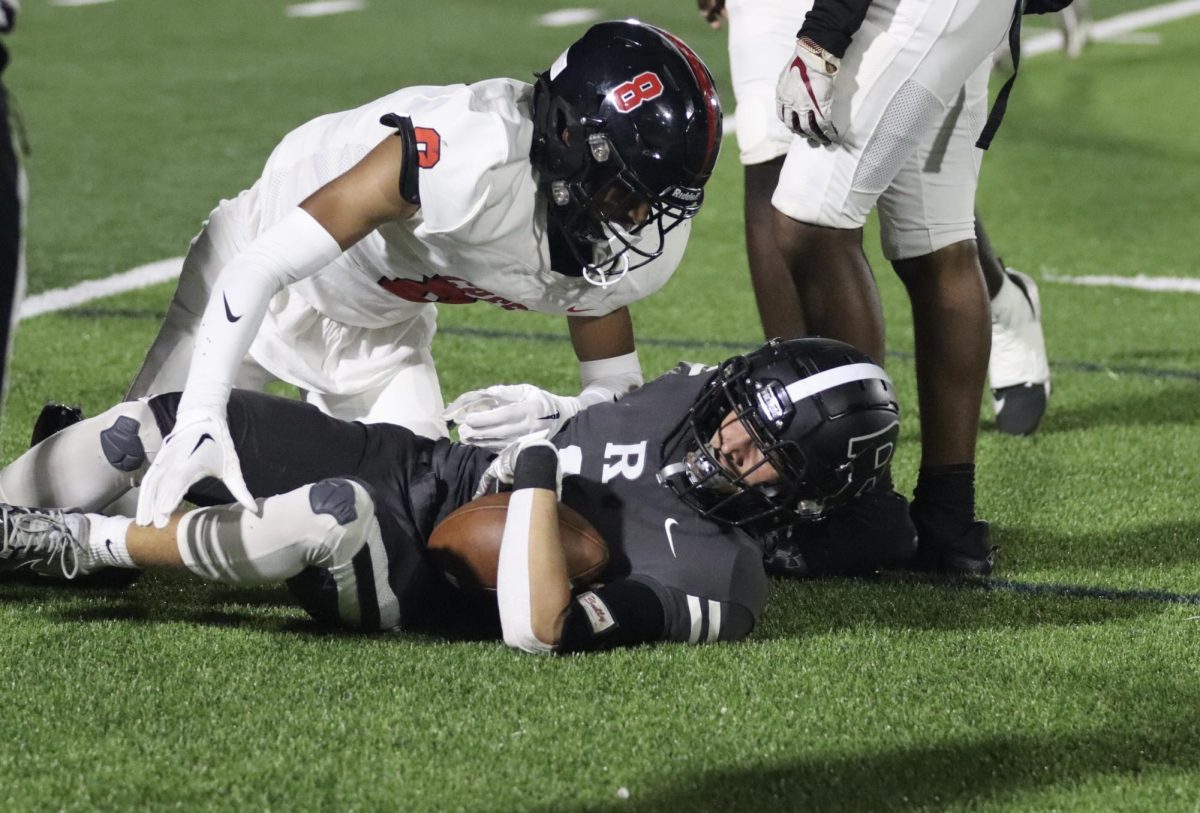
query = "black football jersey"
x=708 y=578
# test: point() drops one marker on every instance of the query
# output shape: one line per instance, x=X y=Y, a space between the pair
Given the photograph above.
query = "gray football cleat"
x=44 y=542
x=1018 y=370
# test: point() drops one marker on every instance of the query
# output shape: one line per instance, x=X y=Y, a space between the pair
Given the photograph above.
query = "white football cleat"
x=1018 y=370
x=44 y=541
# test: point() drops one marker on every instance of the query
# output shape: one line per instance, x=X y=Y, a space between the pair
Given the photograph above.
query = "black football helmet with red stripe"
x=626 y=131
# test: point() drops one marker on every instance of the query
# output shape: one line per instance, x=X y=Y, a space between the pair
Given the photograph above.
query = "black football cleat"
x=782 y=556
x=1019 y=409
x=52 y=419
x=969 y=553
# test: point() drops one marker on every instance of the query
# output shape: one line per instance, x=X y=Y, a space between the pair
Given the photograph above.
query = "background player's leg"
x=952 y=339
x=779 y=306
x=13 y=192
x=835 y=283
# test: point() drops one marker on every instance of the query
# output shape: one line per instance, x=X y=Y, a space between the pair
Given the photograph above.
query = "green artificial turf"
x=1070 y=682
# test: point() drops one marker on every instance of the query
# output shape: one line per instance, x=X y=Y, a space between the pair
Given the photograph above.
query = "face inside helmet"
x=776 y=437
x=627 y=128
x=615 y=222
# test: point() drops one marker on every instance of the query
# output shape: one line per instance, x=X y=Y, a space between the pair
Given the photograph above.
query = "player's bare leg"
x=779 y=307
x=951 y=326
x=833 y=279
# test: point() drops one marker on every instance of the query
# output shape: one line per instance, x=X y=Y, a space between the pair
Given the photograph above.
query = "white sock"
x=106 y=540
x=1009 y=305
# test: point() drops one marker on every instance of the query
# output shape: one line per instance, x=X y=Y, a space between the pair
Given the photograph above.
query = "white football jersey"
x=479 y=236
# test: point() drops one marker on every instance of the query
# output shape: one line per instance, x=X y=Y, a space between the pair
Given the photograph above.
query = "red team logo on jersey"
x=641 y=88
x=447 y=291
x=429 y=147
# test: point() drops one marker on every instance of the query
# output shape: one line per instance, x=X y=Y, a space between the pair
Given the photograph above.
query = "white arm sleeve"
x=609 y=379
x=294 y=248
x=512 y=577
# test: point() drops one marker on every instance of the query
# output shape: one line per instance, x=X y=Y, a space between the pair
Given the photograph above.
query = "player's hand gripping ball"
x=466 y=544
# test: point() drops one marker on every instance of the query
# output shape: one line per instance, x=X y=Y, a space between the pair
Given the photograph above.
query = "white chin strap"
x=598 y=276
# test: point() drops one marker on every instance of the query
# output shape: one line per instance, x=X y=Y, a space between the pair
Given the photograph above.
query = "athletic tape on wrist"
x=537 y=467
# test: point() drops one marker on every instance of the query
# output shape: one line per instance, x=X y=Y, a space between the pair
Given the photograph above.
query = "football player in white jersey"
x=886 y=99
x=761 y=38
x=569 y=196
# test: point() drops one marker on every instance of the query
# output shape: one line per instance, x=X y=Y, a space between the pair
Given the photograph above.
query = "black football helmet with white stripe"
x=626 y=120
x=823 y=415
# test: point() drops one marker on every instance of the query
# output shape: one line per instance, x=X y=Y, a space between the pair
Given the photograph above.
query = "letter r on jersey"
x=625 y=460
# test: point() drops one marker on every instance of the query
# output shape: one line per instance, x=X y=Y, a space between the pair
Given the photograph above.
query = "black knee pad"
x=335 y=497
x=122 y=445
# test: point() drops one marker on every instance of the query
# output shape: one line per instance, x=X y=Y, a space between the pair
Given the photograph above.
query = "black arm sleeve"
x=832 y=23
x=410 y=189
x=639 y=611
x=623 y=613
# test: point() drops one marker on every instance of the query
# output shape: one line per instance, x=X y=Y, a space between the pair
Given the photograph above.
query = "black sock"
x=944 y=499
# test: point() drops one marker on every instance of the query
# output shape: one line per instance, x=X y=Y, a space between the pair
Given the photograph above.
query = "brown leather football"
x=466 y=544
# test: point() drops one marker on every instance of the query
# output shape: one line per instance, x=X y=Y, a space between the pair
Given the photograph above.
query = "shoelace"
x=40 y=532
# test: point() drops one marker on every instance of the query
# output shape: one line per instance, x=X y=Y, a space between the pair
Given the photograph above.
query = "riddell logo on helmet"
x=641 y=88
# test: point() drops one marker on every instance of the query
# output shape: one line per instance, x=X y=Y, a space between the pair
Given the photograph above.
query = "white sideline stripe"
x=1141 y=282
x=70 y=3
x=62 y=298
x=568 y=16
x=1114 y=27
x=323 y=8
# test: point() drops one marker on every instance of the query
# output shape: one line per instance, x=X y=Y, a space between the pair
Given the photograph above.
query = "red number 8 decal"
x=641 y=88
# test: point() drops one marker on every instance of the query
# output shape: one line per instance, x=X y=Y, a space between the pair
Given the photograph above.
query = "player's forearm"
x=609 y=379
x=292 y=249
x=833 y=23
x=532 y=587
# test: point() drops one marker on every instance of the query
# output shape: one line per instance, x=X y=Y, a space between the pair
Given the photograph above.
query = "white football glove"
x=199 y=446
x=501 y=469
x=495 y=417
x=804 y=94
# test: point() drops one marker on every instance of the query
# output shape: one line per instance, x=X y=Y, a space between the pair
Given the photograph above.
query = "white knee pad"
x=319 y=525
x=87 y=465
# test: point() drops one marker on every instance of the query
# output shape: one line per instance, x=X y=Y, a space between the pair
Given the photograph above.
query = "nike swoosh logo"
x=573 y=309
x=228 y=313
x=670 y=539
x=553 y=417
x=200 y=442
x=108 y=544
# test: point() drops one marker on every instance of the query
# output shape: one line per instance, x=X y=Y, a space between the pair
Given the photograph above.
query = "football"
x=466 y=544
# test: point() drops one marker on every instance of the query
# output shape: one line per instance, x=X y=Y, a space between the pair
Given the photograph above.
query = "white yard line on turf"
x=163 y=270
x=323 y=8
x=1141 y=282
x=1115 y=27
x=71 y=3
x=62 y=298
x=568 y=16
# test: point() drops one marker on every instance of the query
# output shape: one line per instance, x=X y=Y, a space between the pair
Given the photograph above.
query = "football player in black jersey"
x=683 y=478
